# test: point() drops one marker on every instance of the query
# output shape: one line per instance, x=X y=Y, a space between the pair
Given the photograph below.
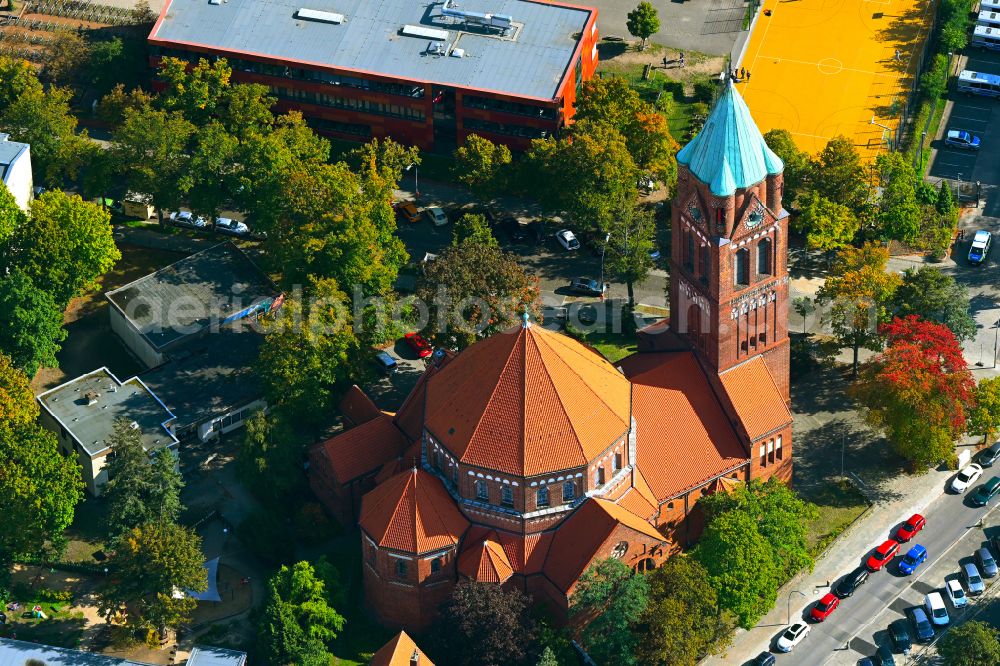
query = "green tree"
x=610 y=598
x=111 y=108
x=985 y=417
x=484 y=625
x=474 y=290
x=643 y=22
x=148 y=564
x=935 y=296
x=898 y=210
x=972 y=643
x=827 y=225
x=298 y=620
x=32 y=324
x=65 y=246
x=945 y=204
x=11 y=217
x=39 y=490
x=859 y=291
x=741 y=566
x=683 y=622
x=839 y=175
x=481 y=165
x=44 y=120
x=18 y=407
x=548 y=658
x=270 y=458
x=804 y=306
x=17 y=77
x=797 y=164
x=69 y=53
x=631 y=237
x=212 y=168
x=196 y=92
x=934 y=82
x=472 y=228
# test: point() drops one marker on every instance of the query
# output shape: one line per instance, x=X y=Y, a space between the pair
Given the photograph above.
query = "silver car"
x=973 y=581
x=986 y=562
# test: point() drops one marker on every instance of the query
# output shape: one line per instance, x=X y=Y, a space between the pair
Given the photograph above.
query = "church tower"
x=729 y=262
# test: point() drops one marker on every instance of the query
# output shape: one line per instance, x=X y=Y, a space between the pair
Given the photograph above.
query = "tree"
x=781 y=518
x=483 y=624
x=945 y=204
x=148 y=565
x=898 y=210
x=839 y=175
x=112 y=107
x=472 y=228
x=827 y=225
x=741 y=566
x=631 y=237
x=935 y=296
x=475 y=290
x=643 y=22
x=139 y=490
x=299 y=620
x=32 y=324
x=985 y=417
x=972 y=643
x=11 y=216
x=69 y=53
x=859 y=290
x=17 y=77
x=804 y=306
x=481 y=165
x=610 y=598
x=65 y=246
x=797 y=164
x=270 y=458
x=548 y=658
x=197 y=92
x=39 y=489
x=919 y=391
x=44 y=120
x=683 y=622
x=18 y=407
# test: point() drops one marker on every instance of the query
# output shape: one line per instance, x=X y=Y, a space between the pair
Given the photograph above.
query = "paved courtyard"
x=710 y=26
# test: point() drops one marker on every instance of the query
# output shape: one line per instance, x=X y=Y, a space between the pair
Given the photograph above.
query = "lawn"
x=62 y=627
x=614 y=346
x=86 y=534
x=839 y=504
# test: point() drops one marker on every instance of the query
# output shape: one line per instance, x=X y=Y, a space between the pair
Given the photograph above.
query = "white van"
x=934 y=604
x=989 y=6
x=990 y=19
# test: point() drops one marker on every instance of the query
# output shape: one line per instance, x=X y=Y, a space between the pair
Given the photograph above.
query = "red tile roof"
x=485 y=562
x=412 y=512
x=756 y=398
x=360 y=450
x=634 y=502
x=410 y=417
x=357 y=407
x=683 y=436
x=525 y=552
x=527 y=401
x=398 y=652
x=408 y=460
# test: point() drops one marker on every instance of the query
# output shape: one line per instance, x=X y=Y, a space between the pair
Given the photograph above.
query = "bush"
x=934 y=82
x=704 y=91
x=266 y=536
x=675 y=88
x=312 y=524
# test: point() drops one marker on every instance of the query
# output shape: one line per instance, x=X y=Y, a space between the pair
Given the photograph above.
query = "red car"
x=910 y=528
x=882 y=555
x=824 y=607
x=419 y=345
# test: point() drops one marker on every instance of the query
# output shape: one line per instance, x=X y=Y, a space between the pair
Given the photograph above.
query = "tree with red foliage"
x=918 y=391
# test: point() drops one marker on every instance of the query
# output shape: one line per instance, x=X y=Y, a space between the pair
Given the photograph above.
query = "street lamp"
x=788 y=610
x=958 y=191
x=607 y=238
x=416 y=179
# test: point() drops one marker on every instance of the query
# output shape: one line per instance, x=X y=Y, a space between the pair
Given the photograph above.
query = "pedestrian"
x=743 y=73
x=664 y=62
x=898 y=55
x=748 y=76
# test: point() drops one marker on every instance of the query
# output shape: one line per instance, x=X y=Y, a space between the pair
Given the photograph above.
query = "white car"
x=186 y=218
x=792 y=637
x=936 y=608
x=966 y=477
x=955 y=593
x=227 y=225
x=436 y=215
x=568 y=239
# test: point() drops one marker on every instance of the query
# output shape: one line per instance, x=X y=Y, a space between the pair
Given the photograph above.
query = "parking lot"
x=975 y=114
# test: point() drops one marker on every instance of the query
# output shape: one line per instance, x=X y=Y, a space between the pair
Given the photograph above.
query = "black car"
x=989 y=455
x=764 y=659
x=883 y=657
x=516 y=231
x=851 y=582
x=899 y=632
x=586 y=286
x=921 y=625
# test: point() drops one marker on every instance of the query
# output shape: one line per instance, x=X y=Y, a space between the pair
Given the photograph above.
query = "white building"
x=15 y=169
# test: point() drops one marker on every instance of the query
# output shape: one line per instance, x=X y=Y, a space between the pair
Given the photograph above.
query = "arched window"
x=506 y=496
x=599 y=477
x=400 y=568
x=482 y=491
x=617 y=462
x=764 y=257
x=435 y=565
x=542 y=497
x=741 y=267
x=569 y=491
x=703 y=263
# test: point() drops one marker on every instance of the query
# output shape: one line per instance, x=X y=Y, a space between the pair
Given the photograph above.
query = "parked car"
x=186 y=218
x=989 y=455
x=866 y=661
x=824 y=607
x=567 y=239
x=995 y=544
x=914 y=557
x=408 y=211
x=792 y=636
x=516 y=232
x=921 y=625
x=973 y=580
x=980 y=248
x=587 y=287
x=909 y=529
x=966 y=477
x=883 y=656
x=962 y=139
x=899 y=633
x=986 y=492
x=955 y=593
x=419 y=344
x=763 y=659
x=882 y=555
x=988 y=565
x=436 y=215
x=936 y=608
x=851 y=582
x=227 y=225
x=386 y=362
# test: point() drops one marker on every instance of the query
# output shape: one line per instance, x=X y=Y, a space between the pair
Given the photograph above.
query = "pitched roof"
x=412 y=512
x=357 y=407
x=525 y=552
x=485 y=562
x=398 y=652
x=528 y=401
x=635 y=502
x=683 y=436
x=579 y=537
x=729 y=152
x=407 y=460
x=360 y=450
x=410 y=416
x=756 y=398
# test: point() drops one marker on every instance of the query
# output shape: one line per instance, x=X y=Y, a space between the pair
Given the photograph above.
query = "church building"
x=528 y=456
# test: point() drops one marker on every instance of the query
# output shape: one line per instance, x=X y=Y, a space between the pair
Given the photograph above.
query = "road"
x=887 y=593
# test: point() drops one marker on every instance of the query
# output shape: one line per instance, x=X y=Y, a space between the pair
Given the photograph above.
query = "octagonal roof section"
x=528 y=402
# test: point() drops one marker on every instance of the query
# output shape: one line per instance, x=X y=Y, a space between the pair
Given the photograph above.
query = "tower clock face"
x=756 y=216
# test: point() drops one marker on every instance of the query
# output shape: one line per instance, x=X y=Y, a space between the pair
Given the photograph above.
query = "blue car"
x=913 y=559
x=962 y=139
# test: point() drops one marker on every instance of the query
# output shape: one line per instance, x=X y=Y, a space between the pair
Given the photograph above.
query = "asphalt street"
x=852 y=630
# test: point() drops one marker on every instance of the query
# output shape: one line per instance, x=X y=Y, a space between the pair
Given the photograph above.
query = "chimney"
x=415 y=658
x=91 y=397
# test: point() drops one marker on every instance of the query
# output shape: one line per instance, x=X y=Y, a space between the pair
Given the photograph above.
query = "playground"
x=822 y=68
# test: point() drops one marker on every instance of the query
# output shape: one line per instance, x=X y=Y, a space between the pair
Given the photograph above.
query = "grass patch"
x=613 y=346
x=87 y=533
x=61 y=627
x=839 y=504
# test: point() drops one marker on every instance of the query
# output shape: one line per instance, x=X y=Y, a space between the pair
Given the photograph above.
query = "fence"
x=87 y=11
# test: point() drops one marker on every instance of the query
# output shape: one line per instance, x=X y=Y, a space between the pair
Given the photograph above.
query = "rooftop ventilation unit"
x=322 y=17
x=424 y=33
x=91 y=397
x=457 y=53
x=215 y=2
x=502 y=21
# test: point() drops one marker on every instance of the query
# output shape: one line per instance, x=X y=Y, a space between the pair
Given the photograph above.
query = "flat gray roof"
x=92 y=425
x=9 y=150
x=529 y=62
x=193 y=294
x=213 y=656
x=18 y=653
